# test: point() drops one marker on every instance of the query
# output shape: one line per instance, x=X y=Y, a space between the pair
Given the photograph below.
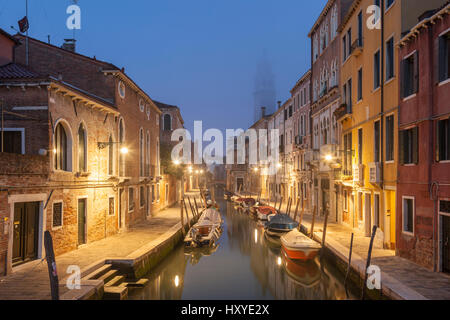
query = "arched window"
x=82 y=149
x=110 y=156
x=61 y=148
x=167 y=122
x=121 y=141
x=141 y=152
x=147 y=161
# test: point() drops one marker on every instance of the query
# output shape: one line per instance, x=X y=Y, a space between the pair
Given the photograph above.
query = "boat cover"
x=282 y=222
x=297 y=240
x=267 y=210
x=210 y=217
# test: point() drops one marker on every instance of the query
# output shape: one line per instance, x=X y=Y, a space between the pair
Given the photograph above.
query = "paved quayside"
x=143 y=241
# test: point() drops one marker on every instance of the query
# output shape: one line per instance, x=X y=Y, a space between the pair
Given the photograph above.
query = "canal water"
x=245 y=265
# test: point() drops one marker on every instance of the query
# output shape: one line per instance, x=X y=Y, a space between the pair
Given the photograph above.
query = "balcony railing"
x=343 y=111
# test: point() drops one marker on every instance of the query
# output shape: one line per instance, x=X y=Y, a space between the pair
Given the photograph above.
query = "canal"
x=244 y=266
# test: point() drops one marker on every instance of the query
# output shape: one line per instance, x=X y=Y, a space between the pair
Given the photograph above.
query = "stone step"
x=138 y=284
x=115 y=282
x=99 y=272
x=115 y=293
x=109 y=275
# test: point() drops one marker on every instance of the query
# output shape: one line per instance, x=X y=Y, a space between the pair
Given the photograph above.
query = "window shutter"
x=416 y=72
x=401 y=147
x=403 y=78
x=437 y=146
x=415 y=145
x=442 y=58
x=436 y=58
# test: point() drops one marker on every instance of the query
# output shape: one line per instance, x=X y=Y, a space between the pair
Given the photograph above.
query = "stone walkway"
x=31 y=281
x=409 y=279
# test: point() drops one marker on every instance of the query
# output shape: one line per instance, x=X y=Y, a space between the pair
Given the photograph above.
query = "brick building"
x=81 y=144
x=423 y=189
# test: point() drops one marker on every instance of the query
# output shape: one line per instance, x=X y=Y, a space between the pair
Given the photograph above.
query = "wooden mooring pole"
x=187 y=215
x=196 y=206
x=313 y=221
x=51 y=264
x=324 y=233
x=296 y=210
x=369 y=257
x=349 y=264
x=182 y=216
x=192 y=208
x=281 y=201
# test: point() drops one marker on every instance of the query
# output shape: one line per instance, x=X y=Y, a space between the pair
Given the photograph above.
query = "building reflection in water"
x=246 y=265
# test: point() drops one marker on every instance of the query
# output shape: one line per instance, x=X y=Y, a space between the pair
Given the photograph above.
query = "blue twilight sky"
x=200 y=54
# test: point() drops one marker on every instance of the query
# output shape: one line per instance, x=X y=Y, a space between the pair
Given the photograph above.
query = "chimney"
x=263 y=112
x=279 y=104
x=69 y=45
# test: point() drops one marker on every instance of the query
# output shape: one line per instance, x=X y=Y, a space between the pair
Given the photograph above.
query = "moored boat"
x=206 y=231
x=305 y=273
x=280 y=224
x=263 y=212
x=297 y=246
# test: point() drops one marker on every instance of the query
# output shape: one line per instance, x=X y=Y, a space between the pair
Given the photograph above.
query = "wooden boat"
x=299 y=247
x=206 y=231
x=280 y=224
x=247 y=203
x=305 y=273
x=227 y=195
x=263 y=212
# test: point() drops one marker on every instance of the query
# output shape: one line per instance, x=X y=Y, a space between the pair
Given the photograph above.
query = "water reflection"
x=246 y=265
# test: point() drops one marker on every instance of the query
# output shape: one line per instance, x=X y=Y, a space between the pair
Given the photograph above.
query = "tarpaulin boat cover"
x=210 y=216
x=282 y=221
x=267 y=210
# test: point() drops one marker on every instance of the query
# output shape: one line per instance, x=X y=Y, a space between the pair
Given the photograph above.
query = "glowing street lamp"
x=124 y=150
x=176 y=281
x=328 y=158
x=176 y=162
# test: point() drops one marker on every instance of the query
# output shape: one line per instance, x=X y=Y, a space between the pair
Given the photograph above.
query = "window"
x=360 y=84
x=158 y=196
x=360 y=145
x=111 y=210
x=444 y=57
x=376 y=141
x=408 y=147
x=110 y=156
x=390 y=138
x=147 y=159
x=376 y=70
x=390 y=59
x=408 y=215
x=130 y=199
x=389 y=3
x=348 y=154
x=360 y=29
x=443 y=140
x=82 y=149
x=290 y=111
x=57 y=221
x=167 y=122
x=141 y=196
x=349 y=95
x=153 y=193
x=410 y=75
x=121 y=141
x=349 y=41
x=141 y=152
x=121 y=88
x=141 y=105
x=61 y=148
x=13 y=141
x=344 y=47
x=376 y=210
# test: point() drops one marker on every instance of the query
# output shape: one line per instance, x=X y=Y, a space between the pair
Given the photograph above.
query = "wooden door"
x=25 y=232
x=446 y=244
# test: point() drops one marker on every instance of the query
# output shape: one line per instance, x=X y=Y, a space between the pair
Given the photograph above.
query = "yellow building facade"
x=369 y=84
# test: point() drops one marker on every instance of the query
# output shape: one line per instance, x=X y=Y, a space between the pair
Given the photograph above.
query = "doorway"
x=445 y=243
x=82 y=221
x=239 y=184
x=120 y=207
x=147 y=203
x=167 y=194
x=367 y=214
x=26 y=232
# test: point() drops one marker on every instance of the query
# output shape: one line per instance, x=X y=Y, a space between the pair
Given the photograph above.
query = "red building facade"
x=423 y=197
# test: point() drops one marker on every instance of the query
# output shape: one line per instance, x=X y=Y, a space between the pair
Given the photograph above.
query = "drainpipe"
x=434 y=197
x=382 y=96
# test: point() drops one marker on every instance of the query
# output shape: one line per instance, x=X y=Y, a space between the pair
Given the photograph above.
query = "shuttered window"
x=443 y=140
x=408 y=148
x=444 y=57
x=390 y=138
x=410 y=75
x=390 y=59
x=57 y=215
x=376 y=70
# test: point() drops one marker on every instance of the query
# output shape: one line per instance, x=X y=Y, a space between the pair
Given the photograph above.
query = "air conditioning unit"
x=358 y=174
x=375 y=172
